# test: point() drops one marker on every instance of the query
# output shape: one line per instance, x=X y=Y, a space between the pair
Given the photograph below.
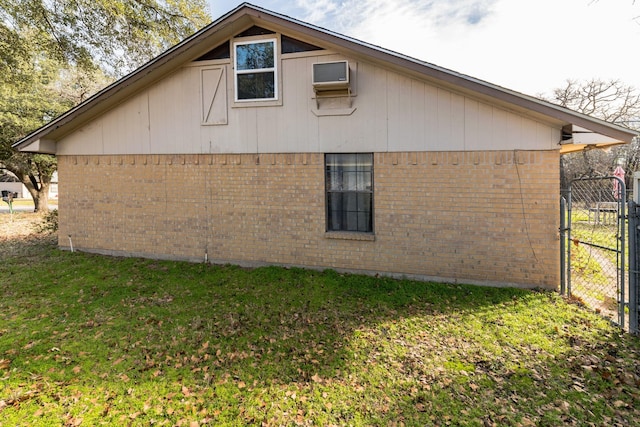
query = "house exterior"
x=265 y=140
x=9 y=182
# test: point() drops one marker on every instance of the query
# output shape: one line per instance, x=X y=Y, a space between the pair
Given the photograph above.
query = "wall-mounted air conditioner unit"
x=330 y=75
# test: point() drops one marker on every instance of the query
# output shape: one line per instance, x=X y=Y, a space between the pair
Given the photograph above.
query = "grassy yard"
x=93 y=340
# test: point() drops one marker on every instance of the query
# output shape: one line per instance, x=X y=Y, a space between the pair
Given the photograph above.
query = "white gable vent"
x=330 y=75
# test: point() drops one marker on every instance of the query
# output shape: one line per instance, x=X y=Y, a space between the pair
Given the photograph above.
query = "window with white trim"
x=349 y=192
x=255 y=69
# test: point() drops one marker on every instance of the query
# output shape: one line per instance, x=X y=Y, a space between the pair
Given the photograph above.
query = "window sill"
x=257 y=103
x=350 y=235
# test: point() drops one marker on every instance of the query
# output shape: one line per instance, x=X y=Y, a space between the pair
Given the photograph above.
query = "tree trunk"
x=41 y=202
x=40 y=196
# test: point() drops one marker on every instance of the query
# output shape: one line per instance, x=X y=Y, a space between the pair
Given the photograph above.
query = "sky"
x=528 y=46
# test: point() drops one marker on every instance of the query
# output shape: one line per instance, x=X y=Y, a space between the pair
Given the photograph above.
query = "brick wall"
x=475 y=217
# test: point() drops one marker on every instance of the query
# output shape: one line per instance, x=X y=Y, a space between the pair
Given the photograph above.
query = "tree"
x=36 y=90
x=612 y=101
x=26 y=101
x=118 y=35
x=54 y=54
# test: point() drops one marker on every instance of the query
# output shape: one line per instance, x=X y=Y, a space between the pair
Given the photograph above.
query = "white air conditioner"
x=330 y=75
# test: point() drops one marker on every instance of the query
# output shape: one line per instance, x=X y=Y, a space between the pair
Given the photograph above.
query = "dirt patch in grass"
x=20 y=235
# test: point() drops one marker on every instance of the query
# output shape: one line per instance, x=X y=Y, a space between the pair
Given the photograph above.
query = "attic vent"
x=330 y=75
x=220 y=52
x=255 y=31
x=290 y=45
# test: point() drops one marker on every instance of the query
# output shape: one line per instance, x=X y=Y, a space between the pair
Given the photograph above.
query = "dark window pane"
x=290 y=45
x=256 y=86
x=220 y=52
x=350 y=202
x=334 y=206
x=364 y=221
x=254 y=31
x=334 y=201
x=255 y=56
x=351 y=221
x=364 y=202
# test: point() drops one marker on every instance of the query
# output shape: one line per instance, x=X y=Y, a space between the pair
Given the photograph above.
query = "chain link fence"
x=595 y=249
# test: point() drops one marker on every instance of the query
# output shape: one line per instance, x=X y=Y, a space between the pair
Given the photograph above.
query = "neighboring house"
x=9 y=182
x=265 y=140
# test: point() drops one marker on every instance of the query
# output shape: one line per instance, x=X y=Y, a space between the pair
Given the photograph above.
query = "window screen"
x=349 y=192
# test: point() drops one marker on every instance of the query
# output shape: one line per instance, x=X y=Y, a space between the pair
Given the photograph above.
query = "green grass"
x=93 y=340
x=604 y=236
x=587 y=268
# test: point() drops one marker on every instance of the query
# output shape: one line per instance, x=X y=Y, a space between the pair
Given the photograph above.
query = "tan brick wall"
x=477 y=217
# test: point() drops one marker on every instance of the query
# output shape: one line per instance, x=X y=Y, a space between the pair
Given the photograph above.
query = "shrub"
x=49 y=223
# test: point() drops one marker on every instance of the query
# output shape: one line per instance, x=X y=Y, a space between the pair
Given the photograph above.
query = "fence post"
x=633 y=266
x=563 y=247
x=568 y=240
x=621 y=193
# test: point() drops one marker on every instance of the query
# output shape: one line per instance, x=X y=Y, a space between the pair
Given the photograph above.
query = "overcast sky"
x=528 y=46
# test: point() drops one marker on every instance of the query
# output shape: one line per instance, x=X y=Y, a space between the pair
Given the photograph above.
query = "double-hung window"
x=255 y=66
x=349 y=192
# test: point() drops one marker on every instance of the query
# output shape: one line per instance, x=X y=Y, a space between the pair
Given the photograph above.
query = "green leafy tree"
x=27 y=100
x=118 y=35
x=54 y=54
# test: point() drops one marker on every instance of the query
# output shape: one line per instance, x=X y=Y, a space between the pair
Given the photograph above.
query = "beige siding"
x=175 y=113
x=393 y=113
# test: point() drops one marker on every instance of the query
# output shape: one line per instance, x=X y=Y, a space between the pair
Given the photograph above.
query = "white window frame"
x=273 y=69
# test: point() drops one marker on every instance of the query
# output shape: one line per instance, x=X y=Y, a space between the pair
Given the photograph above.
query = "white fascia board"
x=583 y=138
x=43 y=146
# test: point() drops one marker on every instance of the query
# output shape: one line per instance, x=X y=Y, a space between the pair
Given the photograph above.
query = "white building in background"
x=9 y=182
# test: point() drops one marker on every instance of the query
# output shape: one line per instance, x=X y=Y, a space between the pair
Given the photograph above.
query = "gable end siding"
x=389 y=112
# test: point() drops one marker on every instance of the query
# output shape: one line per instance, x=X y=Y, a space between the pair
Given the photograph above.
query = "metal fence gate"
x=634 y=265
x=594 y=246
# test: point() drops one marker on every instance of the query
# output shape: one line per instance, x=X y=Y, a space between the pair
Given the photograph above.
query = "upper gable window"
x=255 y=69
